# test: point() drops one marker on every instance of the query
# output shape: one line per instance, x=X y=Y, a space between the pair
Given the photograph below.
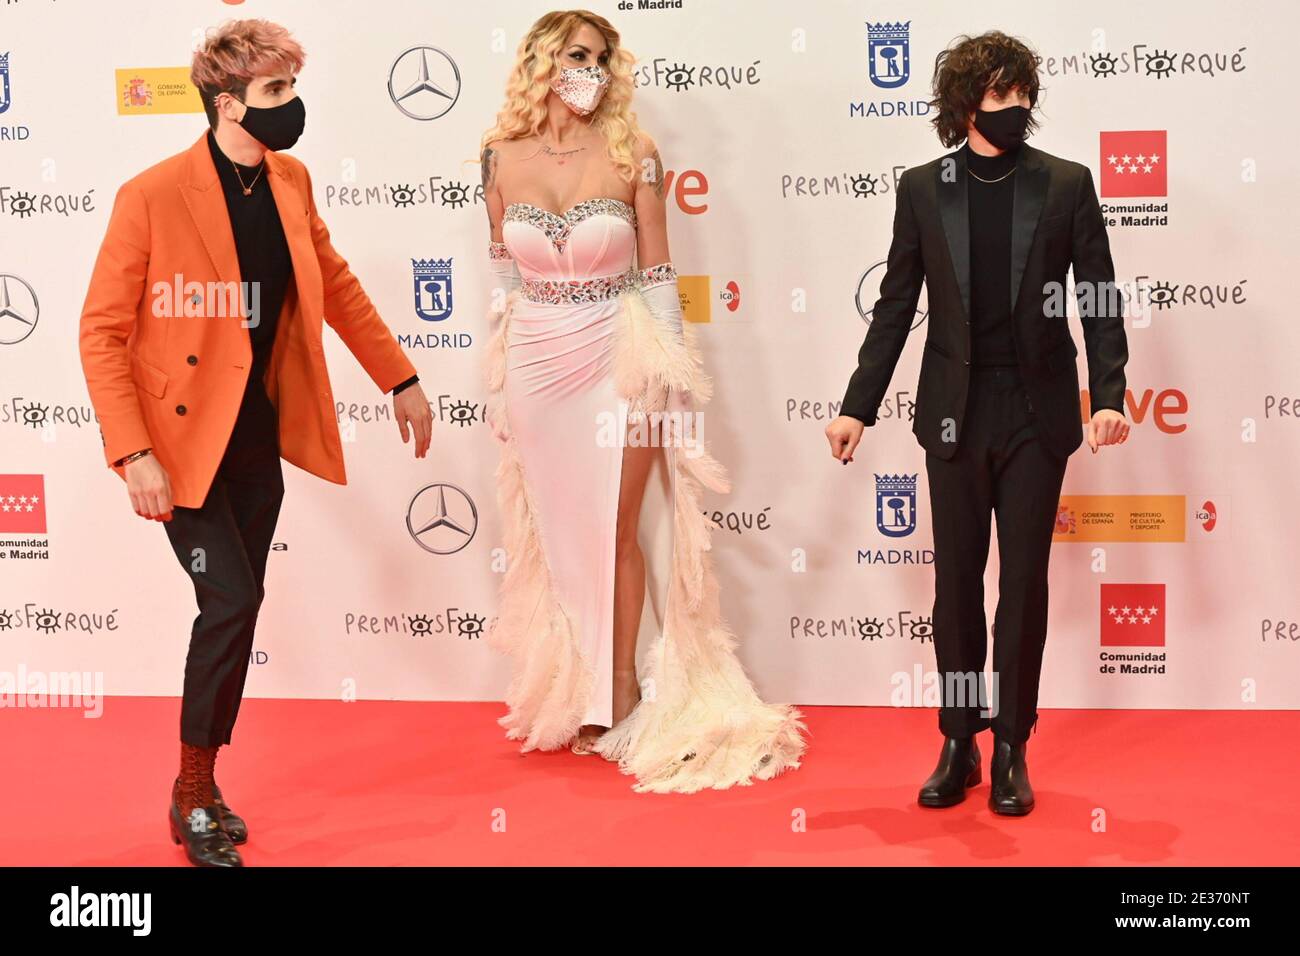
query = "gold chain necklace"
x=248 y=190
x=998 y=180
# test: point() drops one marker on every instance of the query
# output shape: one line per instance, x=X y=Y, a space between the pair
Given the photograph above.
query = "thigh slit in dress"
x=575 y=359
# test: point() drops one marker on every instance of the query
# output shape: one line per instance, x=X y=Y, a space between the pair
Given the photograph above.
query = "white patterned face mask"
x=581 y=88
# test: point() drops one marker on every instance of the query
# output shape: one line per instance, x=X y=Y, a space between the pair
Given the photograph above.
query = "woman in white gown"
x=594 y=389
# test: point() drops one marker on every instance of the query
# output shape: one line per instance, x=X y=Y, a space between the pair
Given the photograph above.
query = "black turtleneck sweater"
x=992 y=336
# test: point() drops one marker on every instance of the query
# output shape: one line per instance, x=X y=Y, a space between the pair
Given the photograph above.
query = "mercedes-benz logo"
x=440 y=526
x=19 y=309
x=864 y=308
x=423 y=93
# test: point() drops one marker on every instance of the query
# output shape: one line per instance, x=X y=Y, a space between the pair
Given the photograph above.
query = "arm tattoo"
x=489 y=167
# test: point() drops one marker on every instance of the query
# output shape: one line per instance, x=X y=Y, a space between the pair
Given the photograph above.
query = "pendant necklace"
x=248 y=190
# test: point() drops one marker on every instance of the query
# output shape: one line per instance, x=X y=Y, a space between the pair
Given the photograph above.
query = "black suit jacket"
x=1057 y=224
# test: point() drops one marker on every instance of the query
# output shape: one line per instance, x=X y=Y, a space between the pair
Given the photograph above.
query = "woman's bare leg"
x=629 y=584
x=629 y=577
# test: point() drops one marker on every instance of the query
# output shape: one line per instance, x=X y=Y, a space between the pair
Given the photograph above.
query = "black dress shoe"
x=231 y=821
x=1011 y=794
x=959 y=768
x=206 y=844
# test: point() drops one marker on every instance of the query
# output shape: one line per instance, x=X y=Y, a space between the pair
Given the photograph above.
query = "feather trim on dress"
x=700 y=723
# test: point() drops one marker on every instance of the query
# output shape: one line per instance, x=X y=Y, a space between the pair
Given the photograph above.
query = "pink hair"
x=239 y=50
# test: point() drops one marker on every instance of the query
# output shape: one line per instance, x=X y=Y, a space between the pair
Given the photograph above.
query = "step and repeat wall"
x=783 y=129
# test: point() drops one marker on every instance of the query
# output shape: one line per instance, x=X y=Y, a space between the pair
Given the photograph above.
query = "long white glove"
x=658 y=286
x=506 y=278
x=503 y=267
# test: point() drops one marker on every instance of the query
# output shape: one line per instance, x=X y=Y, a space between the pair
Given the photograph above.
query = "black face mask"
x=1004 y=128
x=276 y=127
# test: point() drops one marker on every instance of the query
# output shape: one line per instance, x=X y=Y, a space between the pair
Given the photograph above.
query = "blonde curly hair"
x=530 y=82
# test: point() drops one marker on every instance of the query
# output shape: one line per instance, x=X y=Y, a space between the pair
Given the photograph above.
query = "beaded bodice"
x=590 y=245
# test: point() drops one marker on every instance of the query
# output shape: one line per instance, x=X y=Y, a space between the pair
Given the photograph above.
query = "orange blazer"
x=163 y=344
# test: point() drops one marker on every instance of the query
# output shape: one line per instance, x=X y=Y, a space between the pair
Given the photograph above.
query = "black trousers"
x=1001 y=469
x=223 y=546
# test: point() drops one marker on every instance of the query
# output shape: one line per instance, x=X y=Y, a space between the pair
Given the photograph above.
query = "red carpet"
x=322 y=782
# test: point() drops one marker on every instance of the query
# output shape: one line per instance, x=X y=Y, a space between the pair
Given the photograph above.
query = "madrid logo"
x=888 y=56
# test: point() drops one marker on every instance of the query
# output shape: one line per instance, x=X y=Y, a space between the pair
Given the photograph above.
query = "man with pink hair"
x=201 y=345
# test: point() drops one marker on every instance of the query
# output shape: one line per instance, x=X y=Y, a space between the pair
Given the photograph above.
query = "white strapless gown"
x=572 y=353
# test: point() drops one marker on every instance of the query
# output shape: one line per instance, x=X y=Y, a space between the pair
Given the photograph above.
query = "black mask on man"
x=276 y=127
x=1004 y=128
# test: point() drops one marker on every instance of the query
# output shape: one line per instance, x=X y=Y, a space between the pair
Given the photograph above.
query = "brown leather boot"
x=231 y=821
x=194 y=818
x=194 y=785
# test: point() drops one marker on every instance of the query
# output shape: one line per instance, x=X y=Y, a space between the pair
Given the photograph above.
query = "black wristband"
x=407 y=384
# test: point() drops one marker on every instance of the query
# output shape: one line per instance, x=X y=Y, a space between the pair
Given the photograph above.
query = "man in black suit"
x=991 y=230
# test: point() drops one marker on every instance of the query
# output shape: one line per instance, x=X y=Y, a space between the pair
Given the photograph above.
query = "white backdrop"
x=784 y=153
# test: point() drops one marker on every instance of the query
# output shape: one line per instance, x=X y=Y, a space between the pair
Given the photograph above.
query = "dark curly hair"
x=963 y=72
